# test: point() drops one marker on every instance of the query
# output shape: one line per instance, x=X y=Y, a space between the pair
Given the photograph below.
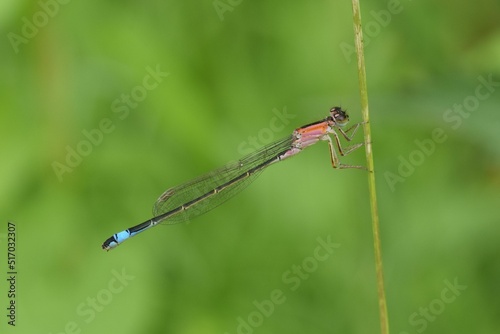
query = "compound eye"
x=340 y=116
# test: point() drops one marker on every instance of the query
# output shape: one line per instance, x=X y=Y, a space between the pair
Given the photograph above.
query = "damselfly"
x=196 y=197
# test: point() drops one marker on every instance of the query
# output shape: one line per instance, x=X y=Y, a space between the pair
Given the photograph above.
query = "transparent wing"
x=192 y=190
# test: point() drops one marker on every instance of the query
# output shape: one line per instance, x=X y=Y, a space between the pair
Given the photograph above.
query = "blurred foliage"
x=233 y=66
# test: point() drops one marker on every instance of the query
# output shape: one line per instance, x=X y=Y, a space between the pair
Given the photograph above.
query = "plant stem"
x=358 y=41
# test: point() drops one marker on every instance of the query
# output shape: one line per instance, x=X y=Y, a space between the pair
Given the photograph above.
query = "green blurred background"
x=241 y=74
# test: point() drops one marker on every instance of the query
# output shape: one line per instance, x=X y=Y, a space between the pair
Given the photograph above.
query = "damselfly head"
x=339 y=116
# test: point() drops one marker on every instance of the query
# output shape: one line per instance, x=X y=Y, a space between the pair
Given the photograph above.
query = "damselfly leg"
x=344 y=151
